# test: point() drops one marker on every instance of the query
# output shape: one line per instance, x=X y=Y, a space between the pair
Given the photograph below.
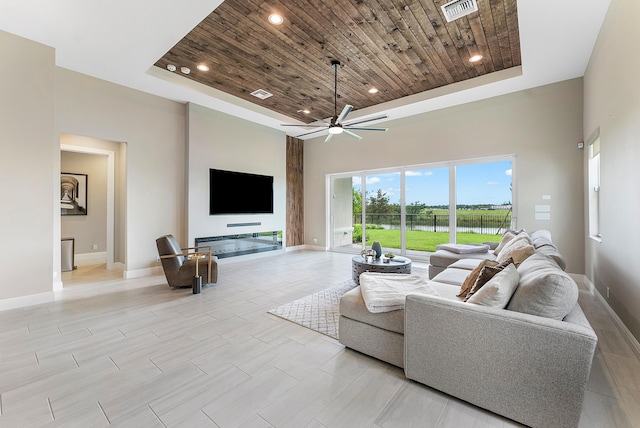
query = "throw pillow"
x=546 y=292
x=518 y=250
x=486 y=273
x=498 y=290
x=471 y=278
x=506 y=238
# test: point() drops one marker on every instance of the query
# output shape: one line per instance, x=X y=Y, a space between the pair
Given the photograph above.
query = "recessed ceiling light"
x=203 y=67
x=185 y=70
x=305 y=111
x=475 y=58
x=276 y=19
x=373 y=91
x=171 y=67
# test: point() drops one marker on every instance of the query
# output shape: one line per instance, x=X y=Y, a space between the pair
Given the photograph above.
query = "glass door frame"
x=451 y=165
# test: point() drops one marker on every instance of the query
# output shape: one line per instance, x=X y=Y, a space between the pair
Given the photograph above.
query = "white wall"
x=612 y=103
x=542 y=126
x=217 y=140
x=27 y=167
x=154 y=130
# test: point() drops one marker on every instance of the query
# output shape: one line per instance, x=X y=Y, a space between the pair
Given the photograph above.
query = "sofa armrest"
x=530 y=369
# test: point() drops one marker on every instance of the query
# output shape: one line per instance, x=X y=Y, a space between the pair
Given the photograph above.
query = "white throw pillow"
x=498 y=291
x=506 y=238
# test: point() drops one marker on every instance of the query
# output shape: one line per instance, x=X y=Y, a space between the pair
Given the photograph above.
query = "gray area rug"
x=317 y=311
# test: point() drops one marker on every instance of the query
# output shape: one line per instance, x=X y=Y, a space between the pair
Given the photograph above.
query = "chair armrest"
x=530 y=369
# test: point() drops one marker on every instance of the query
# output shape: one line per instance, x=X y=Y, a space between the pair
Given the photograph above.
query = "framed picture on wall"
x=73 y=194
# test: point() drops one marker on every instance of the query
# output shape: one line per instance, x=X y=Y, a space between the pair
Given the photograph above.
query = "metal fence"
x=482 y=224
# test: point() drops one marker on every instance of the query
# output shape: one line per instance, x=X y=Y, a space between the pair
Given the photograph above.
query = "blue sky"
x=486 y=183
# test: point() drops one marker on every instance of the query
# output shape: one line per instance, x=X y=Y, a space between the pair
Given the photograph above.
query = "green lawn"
x=424 y=241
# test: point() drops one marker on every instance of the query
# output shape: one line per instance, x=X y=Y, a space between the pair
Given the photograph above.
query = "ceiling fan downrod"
x=335 y=64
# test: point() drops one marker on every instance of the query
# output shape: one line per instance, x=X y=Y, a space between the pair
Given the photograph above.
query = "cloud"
x=418 y=173
x=356 y=180
x=373 y=180
x=509 y=172
x=492 y=183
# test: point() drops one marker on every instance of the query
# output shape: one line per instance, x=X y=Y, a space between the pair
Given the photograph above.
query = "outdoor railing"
x=482 y=224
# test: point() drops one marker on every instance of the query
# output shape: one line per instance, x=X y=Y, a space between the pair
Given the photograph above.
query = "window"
x=410 y=210
x=594 y=188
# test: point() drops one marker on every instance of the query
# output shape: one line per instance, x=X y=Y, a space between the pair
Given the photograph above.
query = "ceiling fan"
x=336 y=124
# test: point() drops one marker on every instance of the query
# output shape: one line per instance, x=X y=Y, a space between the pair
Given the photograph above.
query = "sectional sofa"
x=528 y=361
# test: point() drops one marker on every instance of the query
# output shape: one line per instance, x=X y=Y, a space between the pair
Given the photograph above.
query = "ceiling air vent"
x=458 y=8
x=261 y=93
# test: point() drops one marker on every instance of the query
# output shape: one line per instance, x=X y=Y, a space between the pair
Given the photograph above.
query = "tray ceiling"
x=399 y=47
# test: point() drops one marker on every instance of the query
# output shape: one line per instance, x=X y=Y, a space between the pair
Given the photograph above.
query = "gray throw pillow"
x=547 y=292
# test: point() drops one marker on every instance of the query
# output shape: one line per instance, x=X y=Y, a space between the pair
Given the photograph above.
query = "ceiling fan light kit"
x=336 y=124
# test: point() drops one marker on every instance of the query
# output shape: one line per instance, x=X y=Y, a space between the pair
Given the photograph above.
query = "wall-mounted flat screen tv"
x=232 y=192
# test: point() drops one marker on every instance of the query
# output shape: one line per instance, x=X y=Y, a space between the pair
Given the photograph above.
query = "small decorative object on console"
x=377 y=248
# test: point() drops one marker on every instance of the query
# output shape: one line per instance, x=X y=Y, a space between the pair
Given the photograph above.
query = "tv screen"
x=232 y=192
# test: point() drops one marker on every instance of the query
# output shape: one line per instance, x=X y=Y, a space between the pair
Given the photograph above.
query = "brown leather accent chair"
x=179 y=264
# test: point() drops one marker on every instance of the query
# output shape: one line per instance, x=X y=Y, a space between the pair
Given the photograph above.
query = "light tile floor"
x=135 y=353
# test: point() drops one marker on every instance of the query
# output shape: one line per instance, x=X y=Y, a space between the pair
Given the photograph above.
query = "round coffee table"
x=396 y=265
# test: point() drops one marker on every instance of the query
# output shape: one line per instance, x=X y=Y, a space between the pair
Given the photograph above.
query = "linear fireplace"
x=241 y=244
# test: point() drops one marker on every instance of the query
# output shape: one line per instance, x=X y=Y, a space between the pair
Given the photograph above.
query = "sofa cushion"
x=464 y=248
x=544 y=290
x=541 y=234
x=518 y=250
x=466 y=264
x=352 y=306
x=445 y=258
x=553 y=253
x=498 y=290
x=446 y=291
x=452 y=276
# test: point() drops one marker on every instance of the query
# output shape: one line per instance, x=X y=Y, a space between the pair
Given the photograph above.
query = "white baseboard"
x=30 y=300
x=89 y=259
x=631 y=339
x=314 y=248
x=139 y=273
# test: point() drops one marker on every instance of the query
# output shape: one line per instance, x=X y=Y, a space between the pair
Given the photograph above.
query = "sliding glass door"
x=411 y=210
x=427 y=210
x=483 y=201
x=346 y=214
x=383 y=221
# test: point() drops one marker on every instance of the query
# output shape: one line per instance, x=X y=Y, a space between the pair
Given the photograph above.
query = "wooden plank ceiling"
x=401 y=47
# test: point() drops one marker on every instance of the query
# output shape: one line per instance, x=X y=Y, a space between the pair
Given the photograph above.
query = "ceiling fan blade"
x=370 y=119
x=351 y=134
x=329 y=137
x=365 y=129
x=312 y=132
x=302 y=126
x=318 y=119
x=345 y=111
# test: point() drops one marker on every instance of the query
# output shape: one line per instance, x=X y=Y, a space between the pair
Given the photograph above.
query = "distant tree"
x=416 y=207
x=356 y=200
x=379 y=203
